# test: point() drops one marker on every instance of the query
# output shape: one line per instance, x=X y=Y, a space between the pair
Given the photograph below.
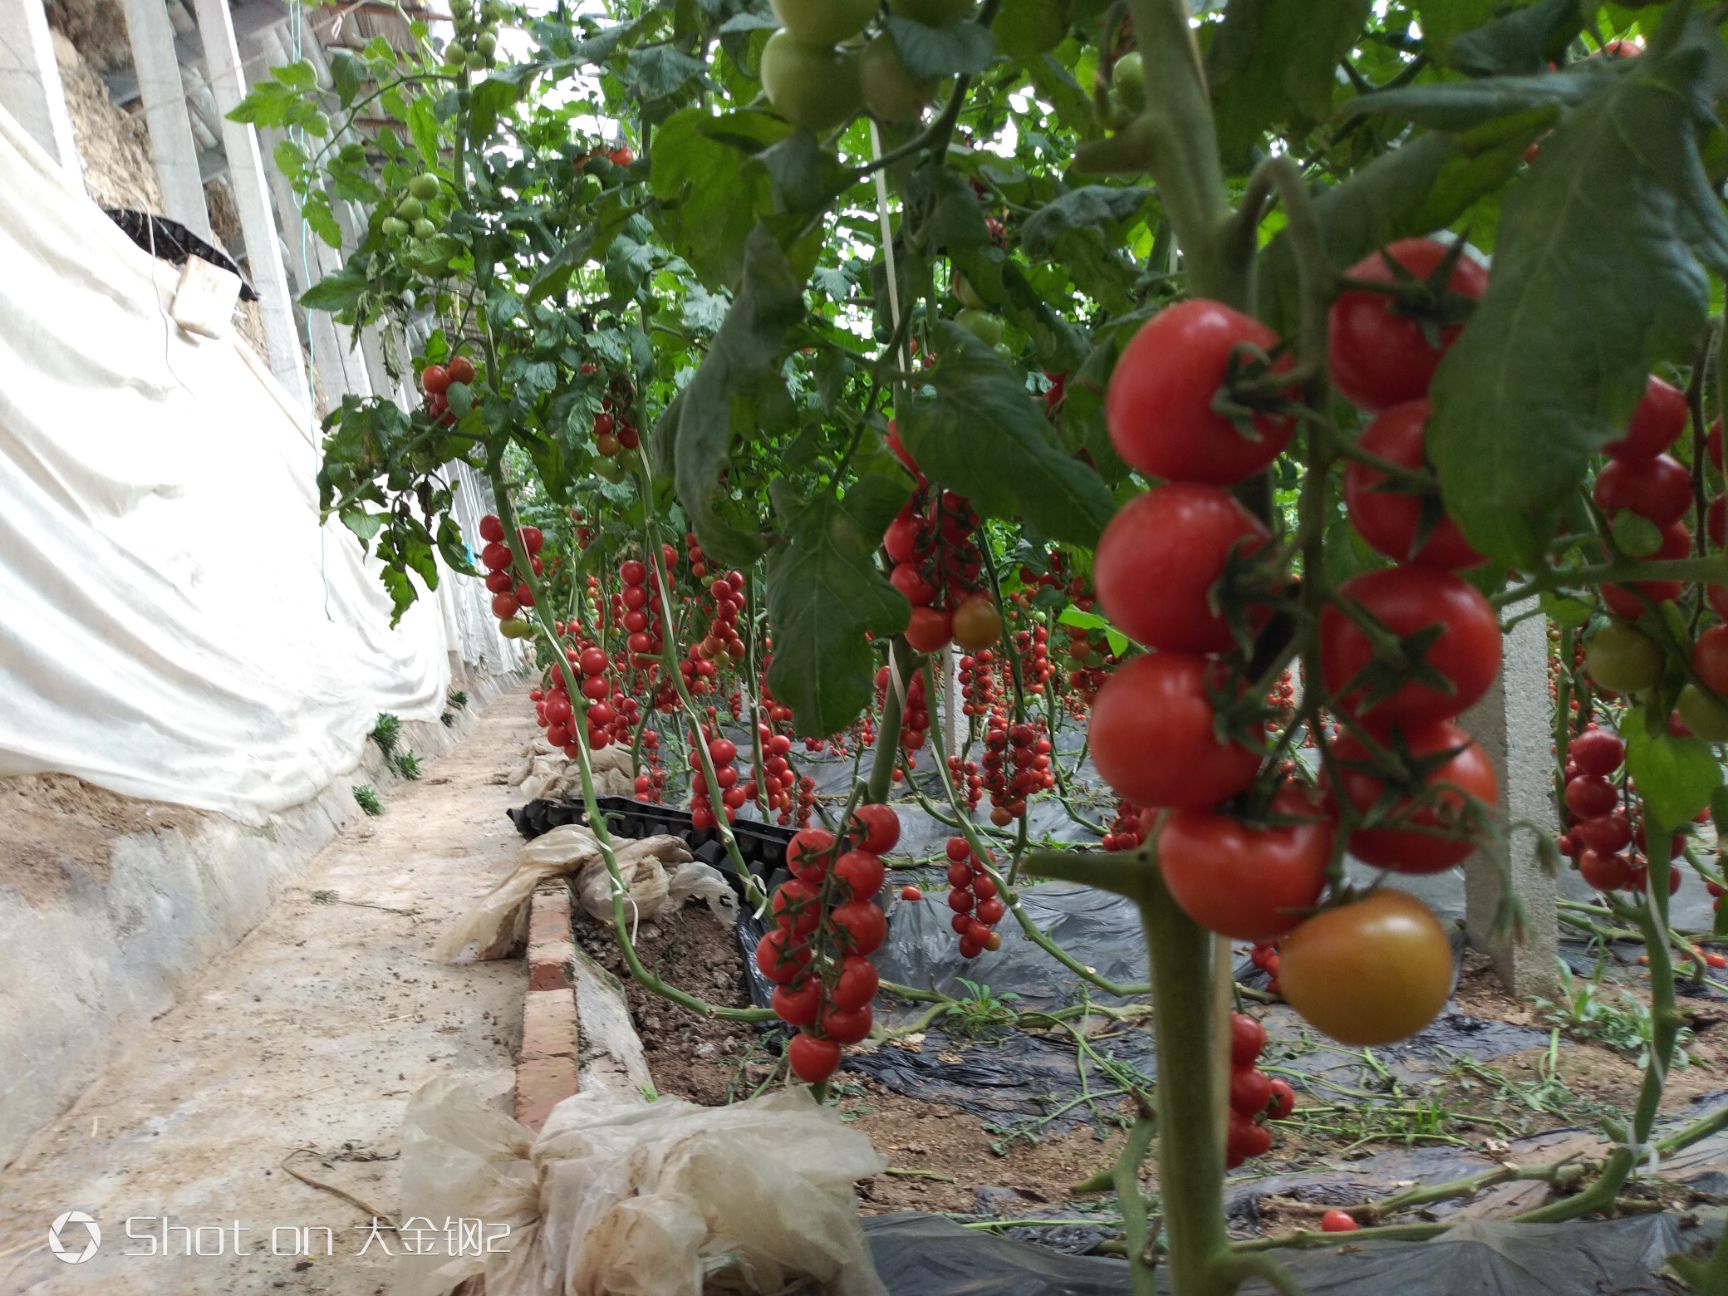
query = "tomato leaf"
x=1273 y=63
x=959 y=49
x=1556 y=356
x=711 y=201
x=977 y=429
x=1676 y=777
x=721 y=400
x=1090 y=207
x=1523 y=41
x=825 y=592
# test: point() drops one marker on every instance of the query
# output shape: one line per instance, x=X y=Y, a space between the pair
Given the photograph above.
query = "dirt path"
x=311 y=1034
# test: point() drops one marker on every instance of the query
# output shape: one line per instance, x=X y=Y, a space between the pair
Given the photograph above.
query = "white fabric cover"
x=174 y=624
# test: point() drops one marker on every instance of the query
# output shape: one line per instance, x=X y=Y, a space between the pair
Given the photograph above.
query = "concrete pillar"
x=1514 y=723
x=252 y=197
x=172 y=148
x=30 y=86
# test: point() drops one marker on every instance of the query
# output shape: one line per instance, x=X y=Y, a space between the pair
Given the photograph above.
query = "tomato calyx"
x=1427 y=300
x=1254 y=385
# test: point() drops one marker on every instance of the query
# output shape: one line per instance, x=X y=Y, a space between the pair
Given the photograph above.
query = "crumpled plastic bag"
x=658 y=874
x=616 y=1197
x=543 y=770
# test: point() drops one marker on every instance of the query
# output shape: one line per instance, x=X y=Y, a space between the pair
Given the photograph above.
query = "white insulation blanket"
x=174 y=623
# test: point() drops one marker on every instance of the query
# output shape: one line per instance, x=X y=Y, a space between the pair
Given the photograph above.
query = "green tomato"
x=965 y=293
x=891 y=93
x=1128 y=84
x=486 y=44
x=513 y=628
x=1637 y=537
x=423 y=187
x=984 y=326
x=609 y=469
x=813 y=86
x=424 y=229
x=410 y=209
x=393 y=227
x=1027 y=28
x=932 y=13
x=1702 y=714
x=1623 y=659
x=824 y=22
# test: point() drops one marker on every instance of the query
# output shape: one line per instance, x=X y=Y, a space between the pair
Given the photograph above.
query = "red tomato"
x=807 y=854
x=1390 y=518
x=862 y=873
x=911 y=894
x=796 y=907
x=1409 y=601
x=1245 y=882
x=1604 y=872
x=1414 y=841
x=1658 y=488
x=1337 y=1221
x=812 y=1060
x=857 y=983
x=912 y=585
x=798 y=1004
x=1676 y=543
x=1282 y=1102
x=1379 y=346
x=861 y=925
x=1160 y=402
x=1656 y=424
x=1710 y=658
x=1371 y=972
x=1606 y=833
x=1250 y=1090
x=779 y=959
x=1160 y=558
x=435 y=380
x=1247 y=1039
x=491 y=528
x=496 y=556
x=929 y=629
x=875 y=827
x=1589 y=795
x=504 y=606
x=1152 y=737
x=847 y=1025
x=1244 y=1139
x=1596 y=751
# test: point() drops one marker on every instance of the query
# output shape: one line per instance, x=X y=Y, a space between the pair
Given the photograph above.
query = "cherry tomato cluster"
x=937 y=564
x=826 y=926
x=435 y=382
x=510 y=592
x=979 y=690
x=1255 y=1097
x=1017 y=764
x=914 y=717
x=1125 y=831
x=973 y=897
x=1644 y=492
x=728 y=594
x=613 y=432
x=723 y=754
x=968 y=782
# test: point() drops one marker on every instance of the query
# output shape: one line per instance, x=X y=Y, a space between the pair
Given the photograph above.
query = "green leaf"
x=721 y=399
x=423 y=129
x=1719 y=814
x=1523 y=41
x=711 y=203
x=977 y=429
x=660 y=70
x=1274 y=63
x=1676 y=777
x=338 y=292
x=1565 y=611
x=1556 y=356
x=825 y=592
x=1459 y=105
x=347 y=74
x=298 y=75
x=959 y=49
x=363 y=524
x=1087 y=208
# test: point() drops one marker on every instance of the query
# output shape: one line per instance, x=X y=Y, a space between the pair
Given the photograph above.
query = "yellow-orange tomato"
x=977 y=623
x=1371 y=972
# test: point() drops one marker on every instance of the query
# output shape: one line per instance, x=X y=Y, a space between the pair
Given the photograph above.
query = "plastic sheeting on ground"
x=618 y=1197
x=924 y=1255
x=174 y=623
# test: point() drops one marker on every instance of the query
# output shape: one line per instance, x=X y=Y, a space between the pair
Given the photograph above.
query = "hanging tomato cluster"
x=1255 y=1097
x=435 y=382
x=1017 y=764
x=914 y=717
x=826 y=926
x=723 y=755
x=613 y=432
x=509 y=586
x=937 y=565
x=973 y=898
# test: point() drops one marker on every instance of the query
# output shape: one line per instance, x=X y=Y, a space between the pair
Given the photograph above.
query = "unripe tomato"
x=1623 y=659
x=813 y=86
x=824 y=22
x=1379 y=347
x=1160 y=558
x=1160 y=401
x=1371 y=972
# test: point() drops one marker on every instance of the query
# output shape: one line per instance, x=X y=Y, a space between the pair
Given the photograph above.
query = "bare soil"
x=56 y=831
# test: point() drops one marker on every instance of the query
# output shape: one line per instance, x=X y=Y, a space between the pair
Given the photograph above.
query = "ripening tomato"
x=1371 y=972
x=875 y=827
x=1152 y=738
x=1658 y=489
x=977 y=623
x=1380 y=346
x=812 y=1060
x=1246 y=882
x=1160 y=405
x=1656 y=424
x=1411 y=601
x=1391 y=518
x=1159 y=562
x=1434 y=836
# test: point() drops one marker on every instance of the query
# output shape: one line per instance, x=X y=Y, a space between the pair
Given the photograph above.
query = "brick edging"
x=546 y=1062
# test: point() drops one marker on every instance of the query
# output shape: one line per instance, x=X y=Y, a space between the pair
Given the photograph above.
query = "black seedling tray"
x=762 y=845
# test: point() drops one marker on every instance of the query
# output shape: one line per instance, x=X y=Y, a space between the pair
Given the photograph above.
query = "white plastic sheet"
x=623 y=1198
x=174 y=624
